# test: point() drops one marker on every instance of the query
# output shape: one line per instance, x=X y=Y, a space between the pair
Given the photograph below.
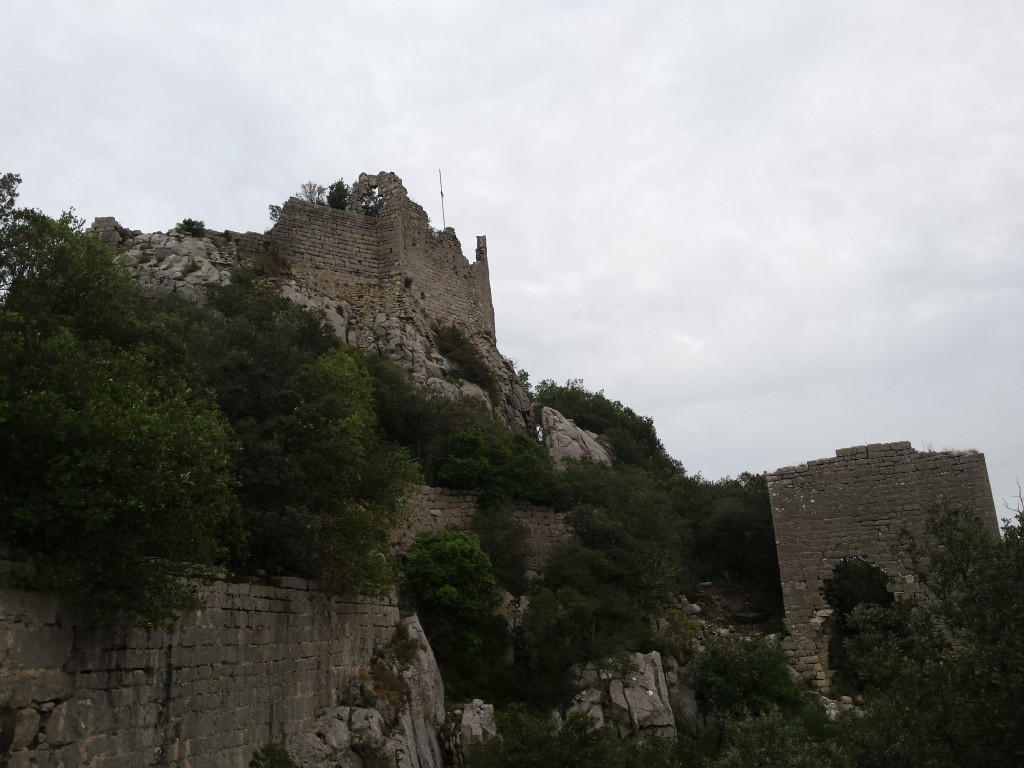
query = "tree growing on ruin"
x=312 y=192
x=337 y=195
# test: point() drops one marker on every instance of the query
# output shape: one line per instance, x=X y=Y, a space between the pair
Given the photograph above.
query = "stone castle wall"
x=436 y=509
x=254 y=666
x=392 y=263
x=854 y=506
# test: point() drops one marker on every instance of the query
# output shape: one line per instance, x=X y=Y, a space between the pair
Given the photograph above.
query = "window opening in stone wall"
x=854 y=582
x=372 y=201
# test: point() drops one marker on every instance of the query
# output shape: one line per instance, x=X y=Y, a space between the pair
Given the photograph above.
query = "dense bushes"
x=143 y=441
x=319 y=488
x=115 y=474
x=457 y=443
x=448 y=578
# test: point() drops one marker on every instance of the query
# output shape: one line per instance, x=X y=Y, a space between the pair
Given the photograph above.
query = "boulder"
x=564 y=440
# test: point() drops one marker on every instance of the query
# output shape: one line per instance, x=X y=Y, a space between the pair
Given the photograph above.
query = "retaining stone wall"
x=254 y=666
x=854 y=505
x=435 y=509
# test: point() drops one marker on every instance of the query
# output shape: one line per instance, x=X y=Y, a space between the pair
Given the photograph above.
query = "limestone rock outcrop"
x=564 y=440
x=400 y=723
x=176 y=263
x=468 y=725
x=632 y=696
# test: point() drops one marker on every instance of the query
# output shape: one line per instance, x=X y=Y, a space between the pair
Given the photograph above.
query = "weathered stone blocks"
x=855 y=506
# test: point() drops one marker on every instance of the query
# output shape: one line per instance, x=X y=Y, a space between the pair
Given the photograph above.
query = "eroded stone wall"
x=435 y=509
x=257 y=664
x=854 y=506
x=392 y=262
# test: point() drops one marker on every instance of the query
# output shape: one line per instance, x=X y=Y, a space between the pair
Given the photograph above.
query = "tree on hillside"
x=320 y=489
x=115 y=482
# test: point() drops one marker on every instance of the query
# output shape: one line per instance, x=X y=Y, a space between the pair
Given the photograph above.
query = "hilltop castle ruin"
x=385 y=279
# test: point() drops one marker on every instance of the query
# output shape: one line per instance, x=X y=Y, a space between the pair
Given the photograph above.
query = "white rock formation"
x=633 y=696
x=176 y=263
x=564 y=440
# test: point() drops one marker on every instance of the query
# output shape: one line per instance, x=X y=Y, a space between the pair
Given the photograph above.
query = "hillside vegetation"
x=149 y=444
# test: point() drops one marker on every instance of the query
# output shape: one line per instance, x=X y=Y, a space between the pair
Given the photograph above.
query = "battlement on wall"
x=393 y=253
x=854 y=506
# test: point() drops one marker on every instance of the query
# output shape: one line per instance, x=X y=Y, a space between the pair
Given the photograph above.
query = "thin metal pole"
x=444 y=224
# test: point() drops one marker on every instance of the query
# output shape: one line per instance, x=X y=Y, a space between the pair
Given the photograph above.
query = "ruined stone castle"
x=855 y=505
x=385 y=279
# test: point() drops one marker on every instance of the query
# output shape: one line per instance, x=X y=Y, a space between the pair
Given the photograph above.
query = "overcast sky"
x=778 y=227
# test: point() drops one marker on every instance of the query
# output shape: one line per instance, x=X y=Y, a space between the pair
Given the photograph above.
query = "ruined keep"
x=391 y=262
x=854 y=506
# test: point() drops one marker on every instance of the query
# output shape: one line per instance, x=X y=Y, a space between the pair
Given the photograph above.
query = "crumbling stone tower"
x=854 y=506
x=392 y=262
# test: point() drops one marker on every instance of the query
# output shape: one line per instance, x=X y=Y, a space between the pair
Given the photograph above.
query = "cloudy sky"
x=778 y=227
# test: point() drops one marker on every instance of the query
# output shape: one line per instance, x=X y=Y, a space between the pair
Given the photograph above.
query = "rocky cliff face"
x=401 y=717
x=632 y=696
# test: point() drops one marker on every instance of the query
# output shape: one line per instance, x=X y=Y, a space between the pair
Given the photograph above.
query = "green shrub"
x=469 y=363
x=337 y=195
x=449 y=579
x=115 y=470
x=736 y=678
x=272 y=755
x=505 y=540
x=450 y=575
x=192 y=227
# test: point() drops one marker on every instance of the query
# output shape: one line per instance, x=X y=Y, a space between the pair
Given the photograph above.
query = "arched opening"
x=854 y=582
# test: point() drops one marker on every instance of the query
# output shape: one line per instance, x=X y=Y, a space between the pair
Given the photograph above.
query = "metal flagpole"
x=444 y=224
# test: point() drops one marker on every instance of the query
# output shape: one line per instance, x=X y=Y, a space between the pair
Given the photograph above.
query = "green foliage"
x=460 y=351
x=449 y=578
x=505 y=542
x=275 y=212
x=192 y=227
x=321 y=490
x=372 y=202
x=559 y=630
x=945 y=677
x=272 y=755
x=457 y=444
x=632 y=437
x=534 y=741
x=676 y=638
x=630 y=531
x=776 y=740
x=337 y=195
x=735 y=536
x=450 y=575
x=736 y=679
x=854 y=582
x=115 y=473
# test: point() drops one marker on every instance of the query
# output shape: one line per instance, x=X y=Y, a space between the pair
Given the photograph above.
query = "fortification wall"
x=254 y=666
x=436 y=509
x=854 y=506
x=392 y=262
